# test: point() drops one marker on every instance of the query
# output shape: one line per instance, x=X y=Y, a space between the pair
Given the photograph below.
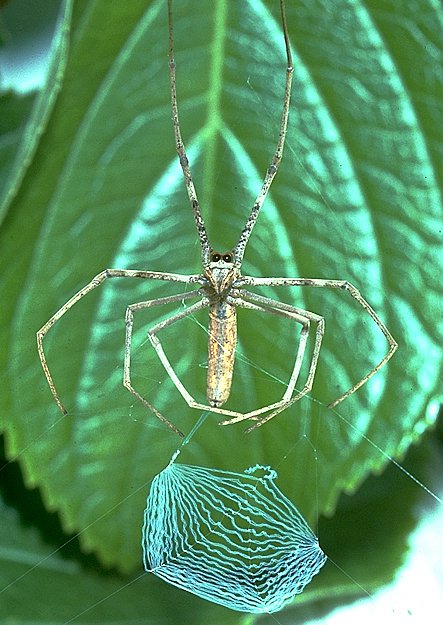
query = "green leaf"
x=357 y=198
x=14 y=113
x=35 y=125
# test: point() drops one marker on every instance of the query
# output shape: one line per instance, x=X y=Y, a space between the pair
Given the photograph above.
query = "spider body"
x=221 y=288
x=221 y=352
x=219 y=279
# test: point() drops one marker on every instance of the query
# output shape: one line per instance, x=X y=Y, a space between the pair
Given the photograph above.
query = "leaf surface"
x=357 y=198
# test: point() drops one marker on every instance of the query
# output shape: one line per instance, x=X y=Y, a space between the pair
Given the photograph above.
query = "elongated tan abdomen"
x=221 y=352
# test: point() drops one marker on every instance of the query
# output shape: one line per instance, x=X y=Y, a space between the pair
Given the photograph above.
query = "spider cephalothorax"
x=221 y=272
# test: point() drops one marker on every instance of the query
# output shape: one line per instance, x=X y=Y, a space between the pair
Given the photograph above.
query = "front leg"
x=93 y=284
x=342 y=285
x=129 y=319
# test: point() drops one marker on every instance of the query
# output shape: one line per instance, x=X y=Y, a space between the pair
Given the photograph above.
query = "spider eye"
x=227 y=258
x=216 y=257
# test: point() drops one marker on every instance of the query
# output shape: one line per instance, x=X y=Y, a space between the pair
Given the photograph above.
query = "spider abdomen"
x=221 y=352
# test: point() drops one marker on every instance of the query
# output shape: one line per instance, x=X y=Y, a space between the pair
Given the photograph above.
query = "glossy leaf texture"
x=357 y=198
x=15 y=114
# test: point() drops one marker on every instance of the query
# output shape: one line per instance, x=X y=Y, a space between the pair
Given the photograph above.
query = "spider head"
x=221 y=272
x=221 y=259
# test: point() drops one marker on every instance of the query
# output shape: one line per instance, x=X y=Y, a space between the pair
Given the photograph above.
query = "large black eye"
x=227 y=258
x=215 y=257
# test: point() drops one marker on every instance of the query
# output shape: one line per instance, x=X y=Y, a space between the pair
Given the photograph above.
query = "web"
x=231 y=538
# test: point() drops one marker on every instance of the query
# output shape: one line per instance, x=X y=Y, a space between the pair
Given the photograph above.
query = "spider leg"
x=274 y=413
x=239 y=249
x=318 y=319
x=94 y=283
x=181 y=151
x=355 y=294
x=203 y=303
x=246 y=299
x=312 y=368
x=129 y=320
x=155 y=342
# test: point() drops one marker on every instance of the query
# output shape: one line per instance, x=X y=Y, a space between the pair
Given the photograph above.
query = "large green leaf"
x=357 y=198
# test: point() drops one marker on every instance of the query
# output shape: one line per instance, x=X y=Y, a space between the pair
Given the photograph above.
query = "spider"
x=222 y=288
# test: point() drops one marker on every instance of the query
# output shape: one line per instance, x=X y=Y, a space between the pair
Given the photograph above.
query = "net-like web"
x=231 y=538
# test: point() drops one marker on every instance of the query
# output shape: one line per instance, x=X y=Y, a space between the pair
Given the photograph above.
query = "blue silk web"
x=230 y=538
